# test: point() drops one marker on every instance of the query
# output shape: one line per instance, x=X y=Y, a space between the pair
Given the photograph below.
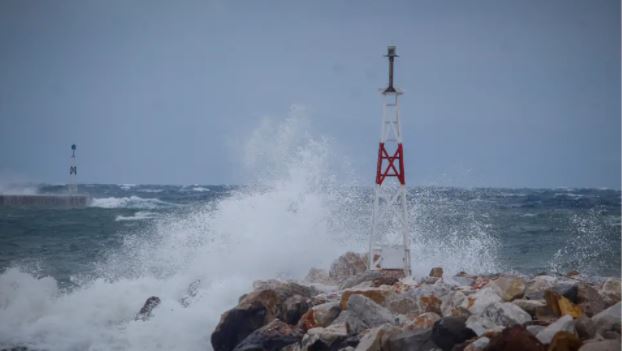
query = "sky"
x=496 y=93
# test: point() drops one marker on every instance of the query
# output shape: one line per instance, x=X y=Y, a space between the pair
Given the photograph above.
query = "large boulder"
x=601 y=345
x=611 y=290
x=565 y=323
x=374 y=338
x=256 y=309
x=588 y=298
x=451 y=331
x=538 y=285
x=333 y=337
x=378 y=295
x=565 y=341
x=238 y=323
x=497 y=316
x=454 y=305
x=529 y=306
x=410 y=340
x=271 y=337
x=425 y=320
x=347 y=265
x=608 y=319
x=561 y=305
x=477 y=302
x=369 y=312
x=320 y=315
x=509 y=287
x=515 y=338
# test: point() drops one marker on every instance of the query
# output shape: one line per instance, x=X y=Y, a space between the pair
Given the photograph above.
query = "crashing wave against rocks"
x=348 y=308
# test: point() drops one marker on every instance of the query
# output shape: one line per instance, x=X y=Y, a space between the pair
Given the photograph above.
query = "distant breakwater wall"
x=52 y=201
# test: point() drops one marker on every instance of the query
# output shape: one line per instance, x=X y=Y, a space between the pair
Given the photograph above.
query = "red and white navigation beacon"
x=72 y=186
x=389 y=243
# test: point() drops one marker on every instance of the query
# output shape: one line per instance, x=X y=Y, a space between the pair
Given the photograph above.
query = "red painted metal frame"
x=390 y=170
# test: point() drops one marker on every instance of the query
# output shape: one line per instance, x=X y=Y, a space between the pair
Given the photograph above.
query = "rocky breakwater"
x=349 y=308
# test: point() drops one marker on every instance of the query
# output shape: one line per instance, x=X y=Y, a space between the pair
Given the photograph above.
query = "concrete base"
x=51 y=200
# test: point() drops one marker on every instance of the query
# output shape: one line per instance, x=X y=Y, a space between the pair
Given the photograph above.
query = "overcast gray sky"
x=498 y=93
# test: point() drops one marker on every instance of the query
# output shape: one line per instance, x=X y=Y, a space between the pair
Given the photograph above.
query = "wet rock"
x=497 y=316
x=350 y=322
x=600 y=345
x=378 y=295
x=255 y=310
x=476 y=303
x=320 y=315
x=410 y=340
x=515 y=338
x=369 y=312
x=535 y=329
x=509 y=288
x=608 y=319
x=149 y=305
x=585 y=327
x=384 y=280
x=588 y=298
x=450 y=331
x=565 y=341
x=529 y=306
x=436 y=272
x=561 y=305
x=346 y=266
x=364 y=279
x=611 y=291
x=565 y=323
x=538 y=285
x=375 y=338
x=478 y=345
x=238 y=323
x=294 y=307
x=271 y=337
x=464 y=279
x=425 y=320
x=454 y=305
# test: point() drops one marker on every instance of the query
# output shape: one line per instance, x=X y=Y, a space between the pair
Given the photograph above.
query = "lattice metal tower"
x=389 y=244
x=72 y=185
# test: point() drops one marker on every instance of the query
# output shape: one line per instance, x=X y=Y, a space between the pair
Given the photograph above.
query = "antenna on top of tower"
x=391 y=54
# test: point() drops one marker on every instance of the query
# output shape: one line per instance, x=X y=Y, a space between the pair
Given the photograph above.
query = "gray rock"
x=535 y=287
x=409 y=340
x=369 y=312
x=346 y=266
x=509 y=287
x=565 y=323
x=600 y=345
x=529 y=306
x=454 y=305
x=497 y=316
x=480 y=344
x=585 y=327
x=271 y=337
x=358 y=279
x=451 y=331
x=608 y=319
x=145 y=311
x=611 y=290
x=374 y=338
x=481 y=299
x=351 y=322
x=535 y=329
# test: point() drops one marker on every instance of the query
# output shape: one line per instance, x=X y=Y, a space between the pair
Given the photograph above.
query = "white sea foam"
x=200 y=189
x=130 y=202
x=296 y=217
x=138 y=216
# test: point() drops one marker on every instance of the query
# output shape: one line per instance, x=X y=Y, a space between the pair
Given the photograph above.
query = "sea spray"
x=294 y=216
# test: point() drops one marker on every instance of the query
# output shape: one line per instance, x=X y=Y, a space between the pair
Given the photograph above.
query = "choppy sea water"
x=74 y=279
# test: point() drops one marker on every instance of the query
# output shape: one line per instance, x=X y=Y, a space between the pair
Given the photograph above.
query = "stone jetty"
x=47 y=200
x=351 y=309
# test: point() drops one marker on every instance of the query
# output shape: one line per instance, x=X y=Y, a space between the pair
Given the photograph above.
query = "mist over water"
x=82 y=289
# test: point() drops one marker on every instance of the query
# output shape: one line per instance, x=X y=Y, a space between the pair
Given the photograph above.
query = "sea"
x=74 y=279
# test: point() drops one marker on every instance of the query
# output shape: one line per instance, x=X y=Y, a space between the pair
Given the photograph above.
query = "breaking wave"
x=134 y=202
x=296 y=216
